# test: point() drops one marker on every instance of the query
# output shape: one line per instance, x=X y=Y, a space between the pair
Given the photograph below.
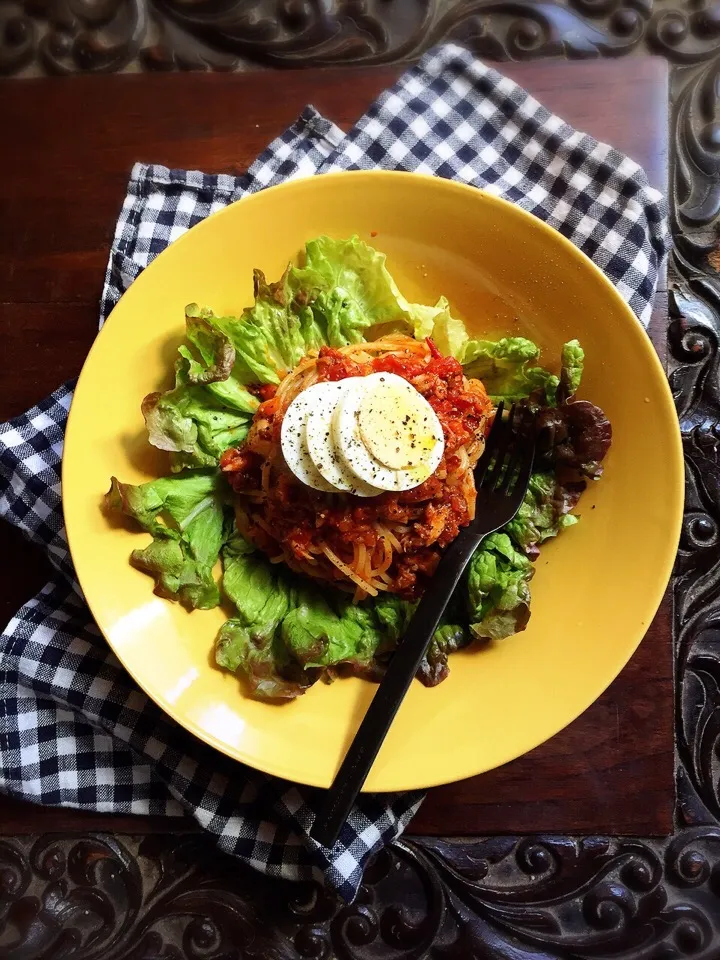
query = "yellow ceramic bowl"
x=597 y=587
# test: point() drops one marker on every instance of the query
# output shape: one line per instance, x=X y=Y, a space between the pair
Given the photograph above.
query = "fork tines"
x=507 y=449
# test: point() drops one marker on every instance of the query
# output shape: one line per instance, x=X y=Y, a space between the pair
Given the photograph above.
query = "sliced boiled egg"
x=362 y=435
x=398 y=425
x=293 y=445
x=386 y=432
x=319 y=439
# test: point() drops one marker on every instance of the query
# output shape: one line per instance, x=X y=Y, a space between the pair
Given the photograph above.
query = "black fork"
x=501 y=478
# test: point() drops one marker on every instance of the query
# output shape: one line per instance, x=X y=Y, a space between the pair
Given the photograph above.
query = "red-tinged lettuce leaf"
x=209 y=355
x=256 y=653
x=574 y=436
x=448 y=638
x=544 y=512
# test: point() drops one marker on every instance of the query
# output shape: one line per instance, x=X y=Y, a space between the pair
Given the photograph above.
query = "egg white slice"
x=294 y=448
x=319 y=439
x=351 y=447
x=399 y=427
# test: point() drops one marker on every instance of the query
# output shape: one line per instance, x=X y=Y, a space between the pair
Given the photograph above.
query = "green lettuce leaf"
x=353 y=298
x=504 y=368
x=394 y=615
x=507 y=368
x=250 y=643
x=269 y=337
x=544 y=512
x=286 y=633
x=571 y=370
x=320 y=635
x=186 y=518
x=498 y=594
x=177 y=574
x=260 y=591
x=423 y=318
x=209 y=409
x=448 y=333
x=352 y=295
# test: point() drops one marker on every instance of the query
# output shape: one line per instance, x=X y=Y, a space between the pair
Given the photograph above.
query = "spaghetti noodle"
x=391 y=542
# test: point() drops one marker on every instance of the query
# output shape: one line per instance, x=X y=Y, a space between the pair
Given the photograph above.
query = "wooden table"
x=62 y=178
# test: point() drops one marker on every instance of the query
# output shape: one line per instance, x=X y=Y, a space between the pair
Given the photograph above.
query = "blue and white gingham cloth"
x=74 y=728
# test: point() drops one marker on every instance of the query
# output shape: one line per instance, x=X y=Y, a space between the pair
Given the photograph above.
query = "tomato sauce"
x=424 y=520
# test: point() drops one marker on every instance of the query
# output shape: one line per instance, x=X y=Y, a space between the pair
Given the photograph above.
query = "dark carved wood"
x=68 y=36
x=97 y=896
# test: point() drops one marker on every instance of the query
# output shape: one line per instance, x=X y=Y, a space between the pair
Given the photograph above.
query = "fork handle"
x=400 y=672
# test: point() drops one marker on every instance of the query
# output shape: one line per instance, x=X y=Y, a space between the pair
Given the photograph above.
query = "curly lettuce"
x=249 y=643
x=572 y=364
x=498 y=595
x=507 y=371
x=186 y=518
x=209 y=409
x=285 y=632
x=288 y=632
x=394 y=615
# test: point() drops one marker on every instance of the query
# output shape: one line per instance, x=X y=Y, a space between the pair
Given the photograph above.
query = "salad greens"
x=287 y=631
x=187 y=520
x=209 y=408
x=497 y=586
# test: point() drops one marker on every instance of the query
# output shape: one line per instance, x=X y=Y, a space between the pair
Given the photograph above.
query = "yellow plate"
x=596 y=588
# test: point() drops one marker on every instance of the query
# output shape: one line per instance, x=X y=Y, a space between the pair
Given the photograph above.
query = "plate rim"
x=675 y=459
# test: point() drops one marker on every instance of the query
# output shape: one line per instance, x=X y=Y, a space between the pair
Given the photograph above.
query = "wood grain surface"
x=68 y=150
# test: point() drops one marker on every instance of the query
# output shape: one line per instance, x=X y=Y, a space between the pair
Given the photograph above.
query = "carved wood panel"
x=68 y=36
x=503 y=897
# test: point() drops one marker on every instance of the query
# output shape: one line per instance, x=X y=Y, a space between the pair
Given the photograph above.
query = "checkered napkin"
x=74 y=729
